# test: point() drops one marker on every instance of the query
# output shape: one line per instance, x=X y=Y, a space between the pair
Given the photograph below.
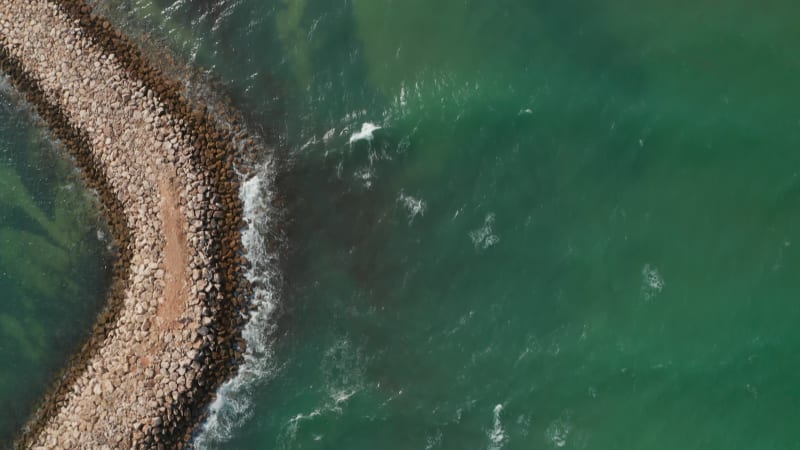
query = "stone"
x=128 y=129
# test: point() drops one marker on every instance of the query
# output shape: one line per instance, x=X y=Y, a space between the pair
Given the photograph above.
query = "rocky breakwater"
x=164 y=174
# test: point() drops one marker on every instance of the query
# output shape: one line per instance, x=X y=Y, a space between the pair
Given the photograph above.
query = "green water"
x=53 y=269
x=577 y=227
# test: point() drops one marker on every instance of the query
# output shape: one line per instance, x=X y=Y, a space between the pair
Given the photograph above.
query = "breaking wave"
x=234 y=403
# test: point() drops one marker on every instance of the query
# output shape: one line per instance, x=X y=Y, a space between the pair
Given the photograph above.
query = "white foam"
x=403 y=97
x=484 y=237
x=342 y=367
x=557 y=432
x=366 y=133
x=434 y=441
x=366 y=175
x=289 y=433
x=497 y=435
x=329 y=135
x=414 y=206
x=309 y=143
x=652 y=281
x=234 y=402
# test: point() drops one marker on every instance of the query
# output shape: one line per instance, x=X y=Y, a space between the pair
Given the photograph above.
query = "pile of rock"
x=164 y=172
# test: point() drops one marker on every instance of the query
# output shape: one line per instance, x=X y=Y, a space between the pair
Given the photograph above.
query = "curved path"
x=164 y=175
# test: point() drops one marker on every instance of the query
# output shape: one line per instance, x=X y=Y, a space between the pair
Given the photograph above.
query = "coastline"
x=171 y=331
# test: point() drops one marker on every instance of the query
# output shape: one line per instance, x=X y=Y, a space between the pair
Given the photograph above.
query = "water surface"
x=576 y=226
x=54 y=262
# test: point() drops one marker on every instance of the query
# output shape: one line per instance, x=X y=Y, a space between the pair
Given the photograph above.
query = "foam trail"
x=234 y=403
x=497 y=436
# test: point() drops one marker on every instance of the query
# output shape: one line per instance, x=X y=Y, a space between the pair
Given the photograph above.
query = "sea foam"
x=652 y=281
x=414 y=206
x=484 y=237
x=366 y=133
x=497 y=435
x=234 y=402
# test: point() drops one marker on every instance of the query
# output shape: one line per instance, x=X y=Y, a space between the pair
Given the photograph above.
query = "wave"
x=366 y=133
x=497 y=436
x=234 y=403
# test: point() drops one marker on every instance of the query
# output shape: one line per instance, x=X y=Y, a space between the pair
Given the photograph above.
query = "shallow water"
x=515 y=224
x=54 y=262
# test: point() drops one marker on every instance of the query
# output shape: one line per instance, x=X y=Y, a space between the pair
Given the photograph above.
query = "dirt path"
x=176 y=258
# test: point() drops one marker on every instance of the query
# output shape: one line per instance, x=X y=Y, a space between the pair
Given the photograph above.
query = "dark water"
x=575 y=228
x=53 y=267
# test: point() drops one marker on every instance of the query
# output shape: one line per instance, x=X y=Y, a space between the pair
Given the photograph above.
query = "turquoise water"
x=575 y=228
x=53 y=267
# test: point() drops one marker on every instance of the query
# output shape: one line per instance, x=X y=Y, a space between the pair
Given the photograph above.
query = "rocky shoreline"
x=164 y=173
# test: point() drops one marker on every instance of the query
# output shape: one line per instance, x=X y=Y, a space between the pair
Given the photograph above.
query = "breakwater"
x=164 y=172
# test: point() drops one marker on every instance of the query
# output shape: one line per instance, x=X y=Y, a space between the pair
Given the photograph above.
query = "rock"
x=127 y=128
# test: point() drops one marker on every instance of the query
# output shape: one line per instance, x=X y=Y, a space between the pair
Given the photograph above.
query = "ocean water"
x=54 y=262
x=513 y=224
